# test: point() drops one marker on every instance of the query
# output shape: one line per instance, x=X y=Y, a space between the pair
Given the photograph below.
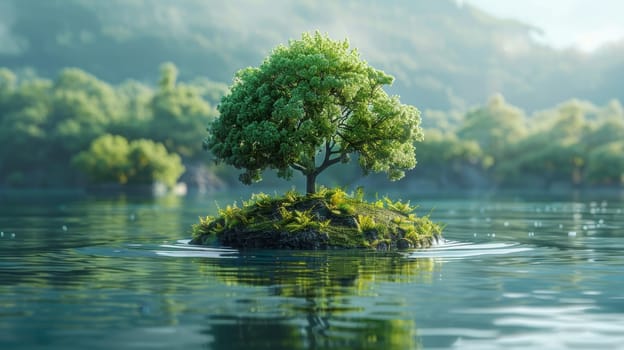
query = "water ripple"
x=457 y=250
x=180 y=250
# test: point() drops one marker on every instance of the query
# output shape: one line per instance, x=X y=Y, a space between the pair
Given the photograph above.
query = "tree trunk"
x=310 y=183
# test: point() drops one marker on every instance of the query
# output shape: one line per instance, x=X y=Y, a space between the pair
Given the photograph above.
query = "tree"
x=24 y=119
x=495 y=126
x=606 y=164
x=446 y=157
x=180 y=114
x=82 y=109
x=309 y=106
x=112 y=159
x=554 y=150
x=106 y=160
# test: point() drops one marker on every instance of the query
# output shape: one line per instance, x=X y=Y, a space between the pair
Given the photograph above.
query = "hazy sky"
x=585 y=24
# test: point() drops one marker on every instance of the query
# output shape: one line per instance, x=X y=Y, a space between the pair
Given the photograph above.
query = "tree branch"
x=298 y=167
x=327 y=163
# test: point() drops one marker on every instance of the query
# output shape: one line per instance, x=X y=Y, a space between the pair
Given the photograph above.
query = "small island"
x=310 y=105
x=326 y=219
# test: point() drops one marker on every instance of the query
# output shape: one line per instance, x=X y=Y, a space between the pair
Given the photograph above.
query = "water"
x=79 y=272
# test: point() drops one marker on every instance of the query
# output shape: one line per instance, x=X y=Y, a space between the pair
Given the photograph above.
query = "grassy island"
x=329 y=218
x=309 y=106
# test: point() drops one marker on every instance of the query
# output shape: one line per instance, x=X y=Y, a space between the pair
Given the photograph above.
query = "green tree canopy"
x=308 y=106
x=112 y=159
x=606 y=164
x=494 y=126
x=180 y=114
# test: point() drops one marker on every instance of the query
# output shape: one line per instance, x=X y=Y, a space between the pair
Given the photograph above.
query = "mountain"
x=443 y=55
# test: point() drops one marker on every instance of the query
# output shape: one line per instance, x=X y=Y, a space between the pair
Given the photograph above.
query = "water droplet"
x=572 y=234
x=12 y=235
x=493 y=234
x=474 y=234
x=132 y=217
x=560 y=225
x=64 y=228
x=506 y=223
x=1 y=234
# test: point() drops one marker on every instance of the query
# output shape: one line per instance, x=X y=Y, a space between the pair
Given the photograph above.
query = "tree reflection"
x=322 y=300
x=267 y=333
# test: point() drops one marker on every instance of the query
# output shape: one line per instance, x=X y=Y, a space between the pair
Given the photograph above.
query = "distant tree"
x=152 y=163
x=106 y=160
x=606 y=164
x=82 y=109
x=180 y=114
x=445 y=157
x=112 y=159
x=494 y=126
x=308 y=106
x=554 y=151
x=7 y=80
x=24 y=131
x=136 y=98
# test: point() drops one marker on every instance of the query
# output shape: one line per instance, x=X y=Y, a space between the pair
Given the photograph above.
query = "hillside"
x=444 y=56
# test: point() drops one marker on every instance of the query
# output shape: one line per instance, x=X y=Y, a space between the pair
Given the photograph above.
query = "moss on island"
x=327 y=219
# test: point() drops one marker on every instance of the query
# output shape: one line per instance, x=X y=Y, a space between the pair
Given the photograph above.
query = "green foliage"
x=25 y=128
x=494 y=127
x=359 y=194
x=295 y=217
x=106 y=160
x=179 y=114
x=205 y=227
x=366 y=223
x=56 y=119
x=233 y=216
x=296 y=221
x=336 y=198
x=606 y=164
x=82 y=107
x=313 y=99
x=151 y=163
x=261 y=200
x=399 y=206
x=112 y=159
x=46 y=123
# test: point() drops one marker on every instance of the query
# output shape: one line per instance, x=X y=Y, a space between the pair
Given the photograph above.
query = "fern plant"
x=233 y=215
x=366 y=223
x=399 y=206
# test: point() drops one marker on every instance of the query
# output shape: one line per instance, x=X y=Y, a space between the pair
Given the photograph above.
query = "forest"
x=82 y=100
x=78 y=129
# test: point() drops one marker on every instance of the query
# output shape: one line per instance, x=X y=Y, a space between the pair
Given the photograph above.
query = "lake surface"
x=515 y=272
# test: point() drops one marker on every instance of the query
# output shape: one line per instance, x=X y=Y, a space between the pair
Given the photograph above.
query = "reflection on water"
x=463 y=250
x=100 y=273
